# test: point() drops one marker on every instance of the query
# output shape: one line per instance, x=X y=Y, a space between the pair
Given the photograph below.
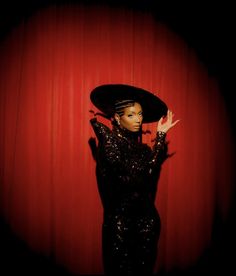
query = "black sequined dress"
x=127 y=174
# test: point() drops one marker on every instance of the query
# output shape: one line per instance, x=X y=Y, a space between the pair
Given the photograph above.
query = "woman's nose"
x=138 y=119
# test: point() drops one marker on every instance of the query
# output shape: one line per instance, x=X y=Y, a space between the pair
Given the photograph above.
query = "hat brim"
x=105 y=96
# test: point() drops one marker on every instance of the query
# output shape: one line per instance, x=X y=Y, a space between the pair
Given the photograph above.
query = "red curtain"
x=49 y=65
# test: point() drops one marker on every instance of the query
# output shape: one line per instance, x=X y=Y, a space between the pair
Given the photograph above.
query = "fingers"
x=173 y=124
x=169 y=115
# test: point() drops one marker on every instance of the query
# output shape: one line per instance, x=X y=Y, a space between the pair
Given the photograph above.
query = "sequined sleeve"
x=103 y=133
x=111 y=151
x=108 y=144
x=159 y=151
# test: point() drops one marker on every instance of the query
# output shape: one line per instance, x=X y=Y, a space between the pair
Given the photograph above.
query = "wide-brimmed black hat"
x=105 y=96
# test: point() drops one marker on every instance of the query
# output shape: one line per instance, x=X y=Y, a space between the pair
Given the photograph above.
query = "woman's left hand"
x=168 y=124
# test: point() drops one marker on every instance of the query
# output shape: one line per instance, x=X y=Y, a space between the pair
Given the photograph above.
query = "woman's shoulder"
x=101 y=130
x=96 y=123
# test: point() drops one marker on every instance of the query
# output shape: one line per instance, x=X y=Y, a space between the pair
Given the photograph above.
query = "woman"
x=127 y=173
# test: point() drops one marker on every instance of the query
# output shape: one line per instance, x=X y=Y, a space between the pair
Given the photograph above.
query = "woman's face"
x=132 y=118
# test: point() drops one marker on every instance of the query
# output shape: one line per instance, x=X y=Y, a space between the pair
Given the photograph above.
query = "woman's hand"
x=168 y=124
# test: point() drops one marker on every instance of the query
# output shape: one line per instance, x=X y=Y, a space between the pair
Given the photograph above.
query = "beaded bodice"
x=127 y=170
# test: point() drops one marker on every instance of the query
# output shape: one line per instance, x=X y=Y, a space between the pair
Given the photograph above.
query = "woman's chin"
x=136 y=129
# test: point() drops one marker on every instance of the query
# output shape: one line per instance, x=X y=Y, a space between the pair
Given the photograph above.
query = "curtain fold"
x=49 y=65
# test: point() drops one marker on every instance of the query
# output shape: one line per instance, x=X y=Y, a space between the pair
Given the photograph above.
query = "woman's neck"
x=127 y=134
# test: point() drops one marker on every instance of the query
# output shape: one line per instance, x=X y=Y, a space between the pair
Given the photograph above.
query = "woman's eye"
x=130 y=115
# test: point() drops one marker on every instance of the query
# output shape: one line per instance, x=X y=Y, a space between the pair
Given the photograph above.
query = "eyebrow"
x=133 y=112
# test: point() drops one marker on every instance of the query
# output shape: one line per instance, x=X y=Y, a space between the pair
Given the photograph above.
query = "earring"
x=118 y=122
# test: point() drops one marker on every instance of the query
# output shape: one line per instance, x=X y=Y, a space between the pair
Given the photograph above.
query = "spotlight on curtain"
x=49 y=65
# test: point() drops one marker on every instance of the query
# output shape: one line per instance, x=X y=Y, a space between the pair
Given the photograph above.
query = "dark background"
x=209 y=29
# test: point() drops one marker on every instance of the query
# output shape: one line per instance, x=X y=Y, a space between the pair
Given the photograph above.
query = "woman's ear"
x=117 y=118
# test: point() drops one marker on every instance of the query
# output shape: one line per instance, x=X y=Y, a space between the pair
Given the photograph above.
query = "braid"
x=121 y=104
